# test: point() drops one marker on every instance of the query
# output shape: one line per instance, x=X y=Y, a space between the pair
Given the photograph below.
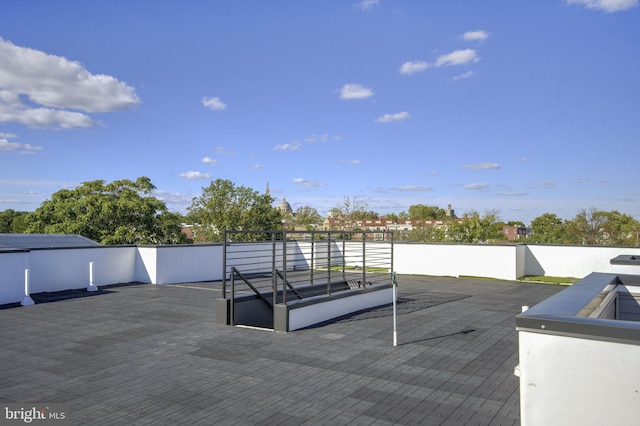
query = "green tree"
x=595 y=226
x=548 y=229
x=391 y=217
x=475 y=228
x=515 y=223
x=427 y=233
x=20 y=223
x=364 y=215
x=307 y=215
x=225 y=206
x=587 y=227
x=423 y=212
x=621 y=229
x=120 y=212
x=352 y=209
x=12 y=222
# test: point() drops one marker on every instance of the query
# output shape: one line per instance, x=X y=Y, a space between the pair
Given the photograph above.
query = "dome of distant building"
x=285 y=207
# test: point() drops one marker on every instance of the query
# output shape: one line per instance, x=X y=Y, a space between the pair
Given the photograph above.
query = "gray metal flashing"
x=626 y=259
x=567 y=313
x=586 y=328
x=13 y=250
x=41 y=241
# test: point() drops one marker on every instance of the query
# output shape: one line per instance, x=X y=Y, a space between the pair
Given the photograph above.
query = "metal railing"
x=280 y=266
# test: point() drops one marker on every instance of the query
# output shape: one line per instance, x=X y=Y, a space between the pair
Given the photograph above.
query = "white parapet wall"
x=66 y=269
x=492 y=261
x=571 y=261
x=192 y=263
x=12 y=266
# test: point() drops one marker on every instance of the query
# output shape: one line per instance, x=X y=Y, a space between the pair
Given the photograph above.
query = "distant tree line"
x=127 y=212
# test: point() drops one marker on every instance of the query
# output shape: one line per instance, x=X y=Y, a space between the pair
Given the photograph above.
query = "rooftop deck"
x=150 y=354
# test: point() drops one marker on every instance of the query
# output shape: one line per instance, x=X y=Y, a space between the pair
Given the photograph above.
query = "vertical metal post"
x=395 y=296
x=313 y=244
x=224 y=264
x=284 y=267
x=364 y=259
x=274 y=275
x=92 y=274
x=391 y=249
x=232 y=302
x=329 y=263
x=344 y=260
x=27 y=300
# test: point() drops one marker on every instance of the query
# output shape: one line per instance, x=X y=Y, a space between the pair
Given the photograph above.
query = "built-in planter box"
x=312 y=308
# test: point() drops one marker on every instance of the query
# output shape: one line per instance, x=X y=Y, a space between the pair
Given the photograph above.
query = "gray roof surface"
x=34 y=241
x=151 y=354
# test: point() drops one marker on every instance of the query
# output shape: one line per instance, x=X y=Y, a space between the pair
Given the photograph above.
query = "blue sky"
x=524 y=107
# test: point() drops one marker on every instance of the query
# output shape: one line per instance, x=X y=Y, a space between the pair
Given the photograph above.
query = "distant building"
x=450 y=212
x=513 y=232
x=285 y=207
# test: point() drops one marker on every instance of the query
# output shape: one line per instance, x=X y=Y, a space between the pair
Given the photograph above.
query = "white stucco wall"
x=146 y=265
x=178 y=264
x=572 y=381
x=571 y=261
x=65 y=269
x=12 y=266
x=456 y=260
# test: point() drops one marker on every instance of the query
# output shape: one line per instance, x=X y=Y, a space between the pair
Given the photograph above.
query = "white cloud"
x=20 y=148
x=513 y=194
x=221 y=151
x=195 y=175
x=287 y=147
x=482 y=166
x=45 y=117
x=414 y=188
x=368 y=4
x=606 y=5
x=5 y=145
x=476 y=186
x=257 y=167
x=317 y=138
x=457 y=57
x=463 y=75
x=355 y=162
x=307 y=183
x=388 y=118
x=214 y=104
x=55 y=84
x=412 y=67
x=210 y=161
x=478 y=35
x=355 y=91
x=25 y=148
